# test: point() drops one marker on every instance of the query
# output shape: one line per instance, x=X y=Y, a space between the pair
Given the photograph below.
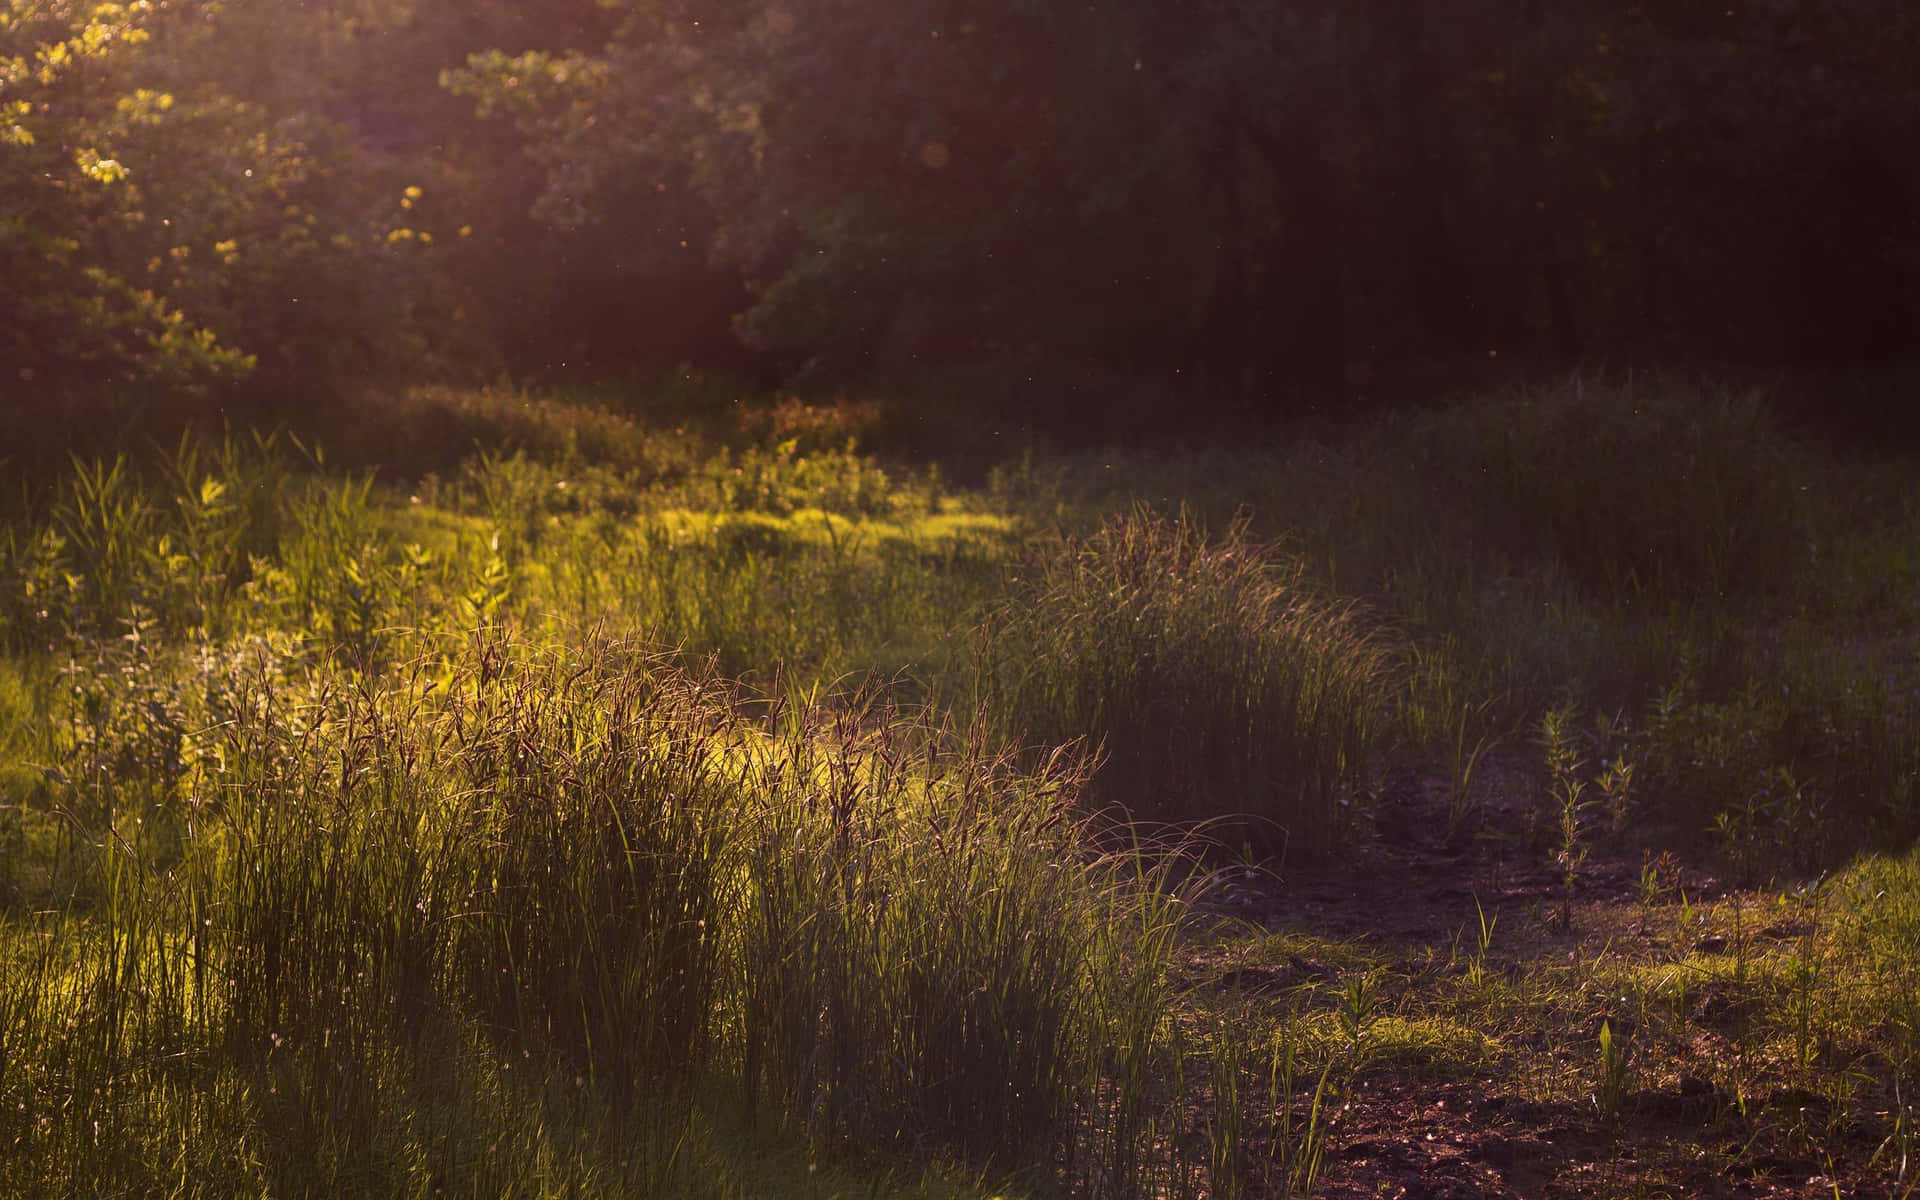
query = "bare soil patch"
x=1704 y=1105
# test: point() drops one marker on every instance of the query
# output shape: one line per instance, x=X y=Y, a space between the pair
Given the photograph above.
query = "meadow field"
x=676 y=793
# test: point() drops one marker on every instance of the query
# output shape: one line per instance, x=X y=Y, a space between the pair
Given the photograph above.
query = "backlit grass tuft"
x=1210 y=677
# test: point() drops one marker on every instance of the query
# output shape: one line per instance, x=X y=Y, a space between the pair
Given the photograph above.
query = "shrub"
x=812 y=428
x=435 y=429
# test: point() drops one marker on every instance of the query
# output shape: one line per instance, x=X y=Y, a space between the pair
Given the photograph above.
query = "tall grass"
x=816 y=593
x=1583 y=537
x=313 y=881
x=922 y=951
x=1643 y=494
x=1211 y=678
x=869 y=932
x=229 y=539
x=1880 y=924
x=1650 y=551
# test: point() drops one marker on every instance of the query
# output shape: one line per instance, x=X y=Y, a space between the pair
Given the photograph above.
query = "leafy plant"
x=1615 y=1076
x=1567 y=790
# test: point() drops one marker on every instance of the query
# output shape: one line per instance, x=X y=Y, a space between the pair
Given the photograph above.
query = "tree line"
x=1276 y=200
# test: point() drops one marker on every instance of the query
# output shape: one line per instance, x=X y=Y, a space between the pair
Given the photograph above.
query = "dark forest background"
x=1067 y=211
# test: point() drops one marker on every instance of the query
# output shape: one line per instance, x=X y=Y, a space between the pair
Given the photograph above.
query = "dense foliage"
x=1280 y=200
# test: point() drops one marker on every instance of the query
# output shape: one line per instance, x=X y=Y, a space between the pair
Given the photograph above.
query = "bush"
x=436 y=429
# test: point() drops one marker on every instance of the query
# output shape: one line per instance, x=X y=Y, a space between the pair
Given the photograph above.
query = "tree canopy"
x=1277 y=199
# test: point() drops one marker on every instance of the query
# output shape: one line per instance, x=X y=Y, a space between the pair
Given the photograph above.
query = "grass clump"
x=859 y=930
x=924 y=948
x=1213 y=680
x=1879 y=927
